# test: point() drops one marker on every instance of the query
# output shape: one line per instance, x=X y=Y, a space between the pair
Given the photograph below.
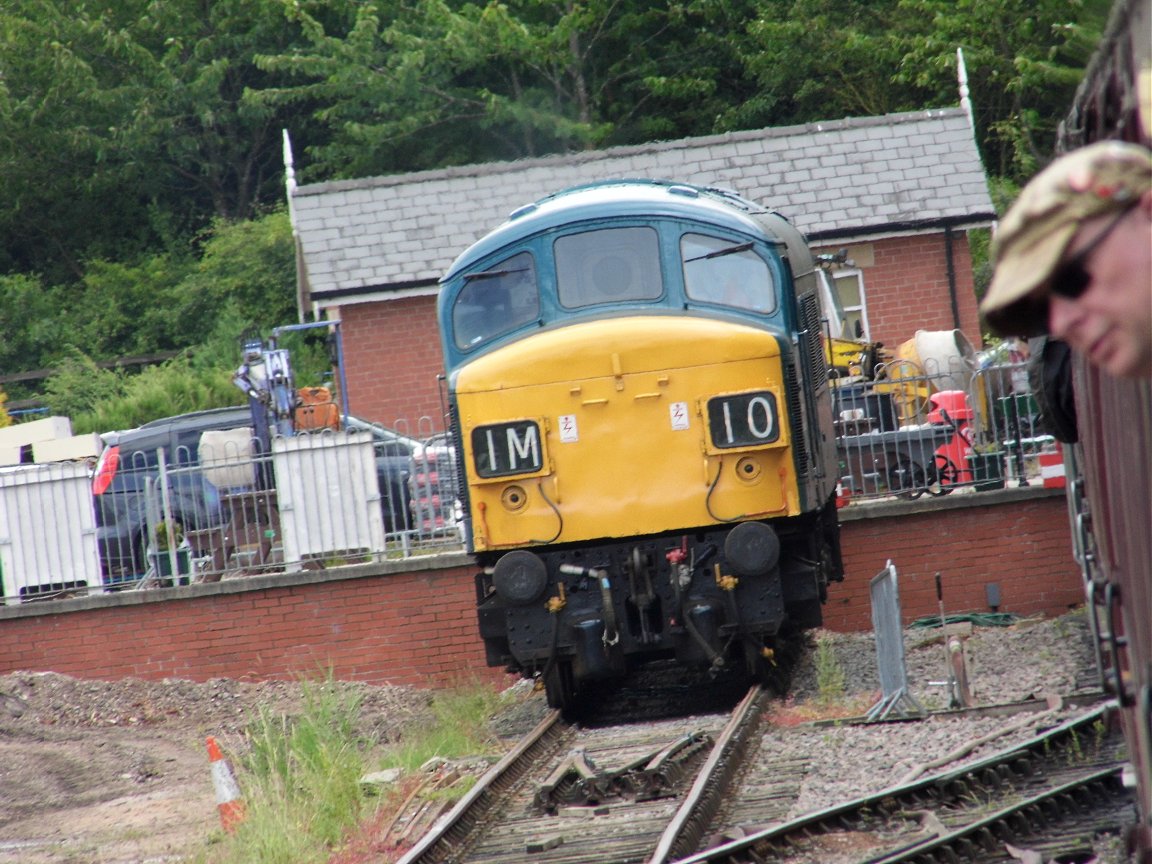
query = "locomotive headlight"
x=749 y=469
x=514 y=498
x=520 y=577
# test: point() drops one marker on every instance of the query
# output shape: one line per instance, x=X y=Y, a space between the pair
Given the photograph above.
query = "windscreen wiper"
x=720 y=253
x=492 y=274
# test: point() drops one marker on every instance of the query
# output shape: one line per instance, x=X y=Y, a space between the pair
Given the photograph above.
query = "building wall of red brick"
x=391 y=358
x=419 y=628
x=392 y=351
x=907 y=288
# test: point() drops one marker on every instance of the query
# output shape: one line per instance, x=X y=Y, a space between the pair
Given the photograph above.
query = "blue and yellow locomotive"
x=639 y=401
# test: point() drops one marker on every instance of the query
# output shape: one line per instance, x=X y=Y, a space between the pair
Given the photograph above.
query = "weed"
x=459 y=728
x=301 y=781
x=830 y=678
x=301 y=775
x=1075 y=748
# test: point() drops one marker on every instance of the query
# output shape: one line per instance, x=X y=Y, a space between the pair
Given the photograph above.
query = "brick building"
x=899 y=192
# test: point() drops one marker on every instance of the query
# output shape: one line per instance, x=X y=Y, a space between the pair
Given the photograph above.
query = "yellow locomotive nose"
x=623 y=428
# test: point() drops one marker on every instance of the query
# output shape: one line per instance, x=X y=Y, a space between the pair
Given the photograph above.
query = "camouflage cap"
x=1105 y=177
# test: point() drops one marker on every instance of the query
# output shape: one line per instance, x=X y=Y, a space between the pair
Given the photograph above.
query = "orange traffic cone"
x=228 y=800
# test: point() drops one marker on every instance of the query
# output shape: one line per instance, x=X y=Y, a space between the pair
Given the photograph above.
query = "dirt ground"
x=94 y=772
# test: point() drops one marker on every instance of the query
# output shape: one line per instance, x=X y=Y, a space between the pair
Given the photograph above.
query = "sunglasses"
x=1072 y=278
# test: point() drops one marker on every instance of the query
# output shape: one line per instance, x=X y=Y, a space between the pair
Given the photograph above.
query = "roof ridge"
x=487 y=169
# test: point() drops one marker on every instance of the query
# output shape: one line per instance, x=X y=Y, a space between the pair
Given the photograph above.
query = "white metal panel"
x=329 y=497
x=47 y=529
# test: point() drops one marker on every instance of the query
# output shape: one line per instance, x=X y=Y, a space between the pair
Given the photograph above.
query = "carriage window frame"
x=517 y=276
x=712 y=272
x=592 y=266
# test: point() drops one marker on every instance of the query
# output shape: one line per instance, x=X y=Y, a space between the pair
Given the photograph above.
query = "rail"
x=1084 y=750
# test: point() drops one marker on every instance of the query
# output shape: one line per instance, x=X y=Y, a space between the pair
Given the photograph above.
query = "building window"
x=849 y=285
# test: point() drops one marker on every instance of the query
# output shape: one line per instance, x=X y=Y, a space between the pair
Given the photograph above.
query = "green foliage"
x=300 y=779
x=825 y=59
x=80 y=387
x=440 y=83
x=300 y=776
x=99 y=400
x=33 y=325
x=248 y=271
x=831 y=683
x=124 y=127
x=1024 y=60
x=244 y=280
x=125 y=308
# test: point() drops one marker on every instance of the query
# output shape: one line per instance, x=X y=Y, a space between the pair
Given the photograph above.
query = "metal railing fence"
x=229 y=507
x=912 y=431
x=225 y=509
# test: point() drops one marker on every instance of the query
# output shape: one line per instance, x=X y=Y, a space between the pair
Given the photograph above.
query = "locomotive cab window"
x=496 y=301
x=728 y=272
x=610 y=265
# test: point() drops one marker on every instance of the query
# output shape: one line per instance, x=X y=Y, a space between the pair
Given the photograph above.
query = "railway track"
x=622 y=794
x=652 y=792
x=1048 y=794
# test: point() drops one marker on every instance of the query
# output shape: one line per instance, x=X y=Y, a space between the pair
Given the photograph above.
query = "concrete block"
x=45 y=429
x=65 y=449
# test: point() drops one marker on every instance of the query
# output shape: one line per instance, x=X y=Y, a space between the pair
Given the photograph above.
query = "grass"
x=300 y=776
x=831 y=682
x=459 y=728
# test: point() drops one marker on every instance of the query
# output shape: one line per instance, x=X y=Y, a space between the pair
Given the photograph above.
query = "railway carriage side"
x=639 y=398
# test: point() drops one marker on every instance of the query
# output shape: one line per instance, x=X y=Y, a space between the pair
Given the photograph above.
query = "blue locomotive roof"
x=620 y=198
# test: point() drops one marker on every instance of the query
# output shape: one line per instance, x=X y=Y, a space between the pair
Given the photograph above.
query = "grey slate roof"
x=848 y=178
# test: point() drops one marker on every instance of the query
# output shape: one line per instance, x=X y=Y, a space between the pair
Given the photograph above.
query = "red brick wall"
x=414 y=629
x=392 y=351
x=907 y=288
x=392 y=357
x=1023 y=546
x=420 y=628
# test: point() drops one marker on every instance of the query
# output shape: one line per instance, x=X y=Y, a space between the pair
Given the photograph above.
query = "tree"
x=1024 y=58
x=823 y=60
x=33 y=326
x=402 y=88
x=124 y=127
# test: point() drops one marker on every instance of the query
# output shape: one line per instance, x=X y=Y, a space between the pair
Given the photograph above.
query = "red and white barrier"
x=1052 y=468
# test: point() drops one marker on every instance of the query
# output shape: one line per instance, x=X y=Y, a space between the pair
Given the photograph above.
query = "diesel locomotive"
x=639 y=398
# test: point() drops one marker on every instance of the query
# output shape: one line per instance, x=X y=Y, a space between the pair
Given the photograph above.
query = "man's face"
x=1110 y=323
